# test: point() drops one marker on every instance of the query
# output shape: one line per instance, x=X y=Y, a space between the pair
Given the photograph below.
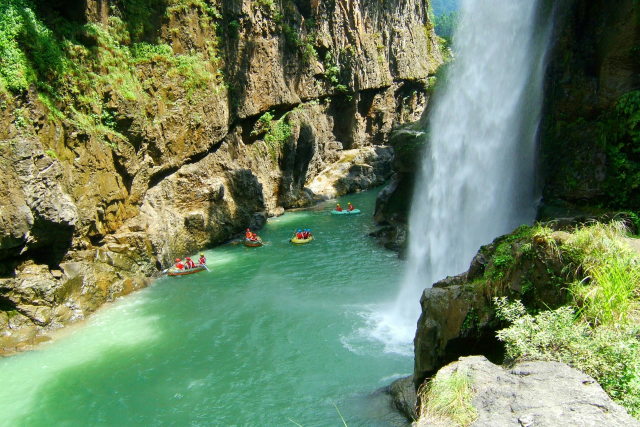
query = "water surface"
x=272 y=336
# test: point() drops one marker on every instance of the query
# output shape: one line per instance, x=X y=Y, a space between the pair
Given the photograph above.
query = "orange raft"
x=253 y=243
x=173 y=271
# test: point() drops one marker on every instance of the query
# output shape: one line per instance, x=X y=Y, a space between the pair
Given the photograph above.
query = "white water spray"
x=478 y=174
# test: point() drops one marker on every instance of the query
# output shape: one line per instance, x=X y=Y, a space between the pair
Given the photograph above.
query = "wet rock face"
x=85 y=219
x=594 y=62
x=536 y=394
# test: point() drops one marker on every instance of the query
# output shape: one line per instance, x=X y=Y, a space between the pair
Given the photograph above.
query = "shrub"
x=611 y=355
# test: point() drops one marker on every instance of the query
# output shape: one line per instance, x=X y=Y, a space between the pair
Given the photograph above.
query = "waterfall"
x=477 y=179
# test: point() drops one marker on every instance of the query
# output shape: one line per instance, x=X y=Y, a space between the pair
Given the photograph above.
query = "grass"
x=608 y=294
x=447 y=399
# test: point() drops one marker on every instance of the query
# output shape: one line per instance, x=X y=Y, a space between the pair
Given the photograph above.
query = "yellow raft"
x=297 y=241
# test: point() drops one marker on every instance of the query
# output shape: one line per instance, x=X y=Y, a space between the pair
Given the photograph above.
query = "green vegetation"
x=441 y=7
x=333 y=73
x=276 y=132
x=598 y=331
x=445 y=25
x=51 y=153
x=76 y=69
x=447 y=400
x=504 y=257
x=305 y=45
x=608 y=293
x=620 y=137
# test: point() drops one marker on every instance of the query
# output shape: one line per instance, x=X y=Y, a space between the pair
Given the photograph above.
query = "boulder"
x=536 y=394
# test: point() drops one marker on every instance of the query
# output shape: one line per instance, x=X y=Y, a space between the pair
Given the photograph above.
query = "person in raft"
x=254 y=237
x=299 y=234
x=189 y=263
x=202 y=260
x=350 y=207
x=338 y=208
x=306 y=233
x=179 y=264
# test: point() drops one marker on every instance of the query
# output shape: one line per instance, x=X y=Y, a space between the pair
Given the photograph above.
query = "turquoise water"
x=272 y=336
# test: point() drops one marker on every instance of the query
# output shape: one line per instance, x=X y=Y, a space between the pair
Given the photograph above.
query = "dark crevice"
x=122 y=170
x=6 y=304
x=160 y=175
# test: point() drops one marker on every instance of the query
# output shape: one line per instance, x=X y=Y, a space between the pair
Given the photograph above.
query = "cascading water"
x=478 y=172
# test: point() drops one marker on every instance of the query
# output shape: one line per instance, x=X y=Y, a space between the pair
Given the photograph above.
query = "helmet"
x=177 y=259
x=187 y=258
x=201 y=254
x=248 y=229
x=299 y=230
x=337 y=204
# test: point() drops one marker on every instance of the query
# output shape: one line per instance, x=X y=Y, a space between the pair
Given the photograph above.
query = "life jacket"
x=350 y=207
x=248 y=234
x=202 y=260
x=339 y=209
x=180 y=266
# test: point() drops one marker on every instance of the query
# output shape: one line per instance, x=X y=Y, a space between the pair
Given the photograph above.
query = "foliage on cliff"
x=597 y=332
x=78 y=68
x=620 y=137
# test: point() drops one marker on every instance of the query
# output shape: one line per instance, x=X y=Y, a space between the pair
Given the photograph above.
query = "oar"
x=205 y=266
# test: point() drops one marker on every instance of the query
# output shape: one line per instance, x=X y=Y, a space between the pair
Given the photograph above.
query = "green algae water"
x=272 y=336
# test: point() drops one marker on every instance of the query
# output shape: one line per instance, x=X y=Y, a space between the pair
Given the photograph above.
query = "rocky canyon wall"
x=135 y=131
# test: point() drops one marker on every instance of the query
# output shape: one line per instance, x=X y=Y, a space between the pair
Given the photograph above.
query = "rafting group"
x=350 y=210
x=181 y=268
x=251 y=239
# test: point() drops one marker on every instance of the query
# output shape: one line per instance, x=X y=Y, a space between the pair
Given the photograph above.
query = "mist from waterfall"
x=477 y=179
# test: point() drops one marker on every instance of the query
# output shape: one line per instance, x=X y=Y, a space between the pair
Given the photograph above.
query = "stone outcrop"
x=394 y=201
x=458 y=317
x=535 y=394
x=293 y=103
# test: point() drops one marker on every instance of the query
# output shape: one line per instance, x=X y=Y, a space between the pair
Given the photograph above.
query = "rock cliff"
x=135 y=131
x=539 y=266
x=588 y=131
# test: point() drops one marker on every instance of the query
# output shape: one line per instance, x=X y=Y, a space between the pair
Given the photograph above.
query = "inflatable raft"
x=173 y=271
x=345 y=212
x=253 y=243
x=297 y=241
